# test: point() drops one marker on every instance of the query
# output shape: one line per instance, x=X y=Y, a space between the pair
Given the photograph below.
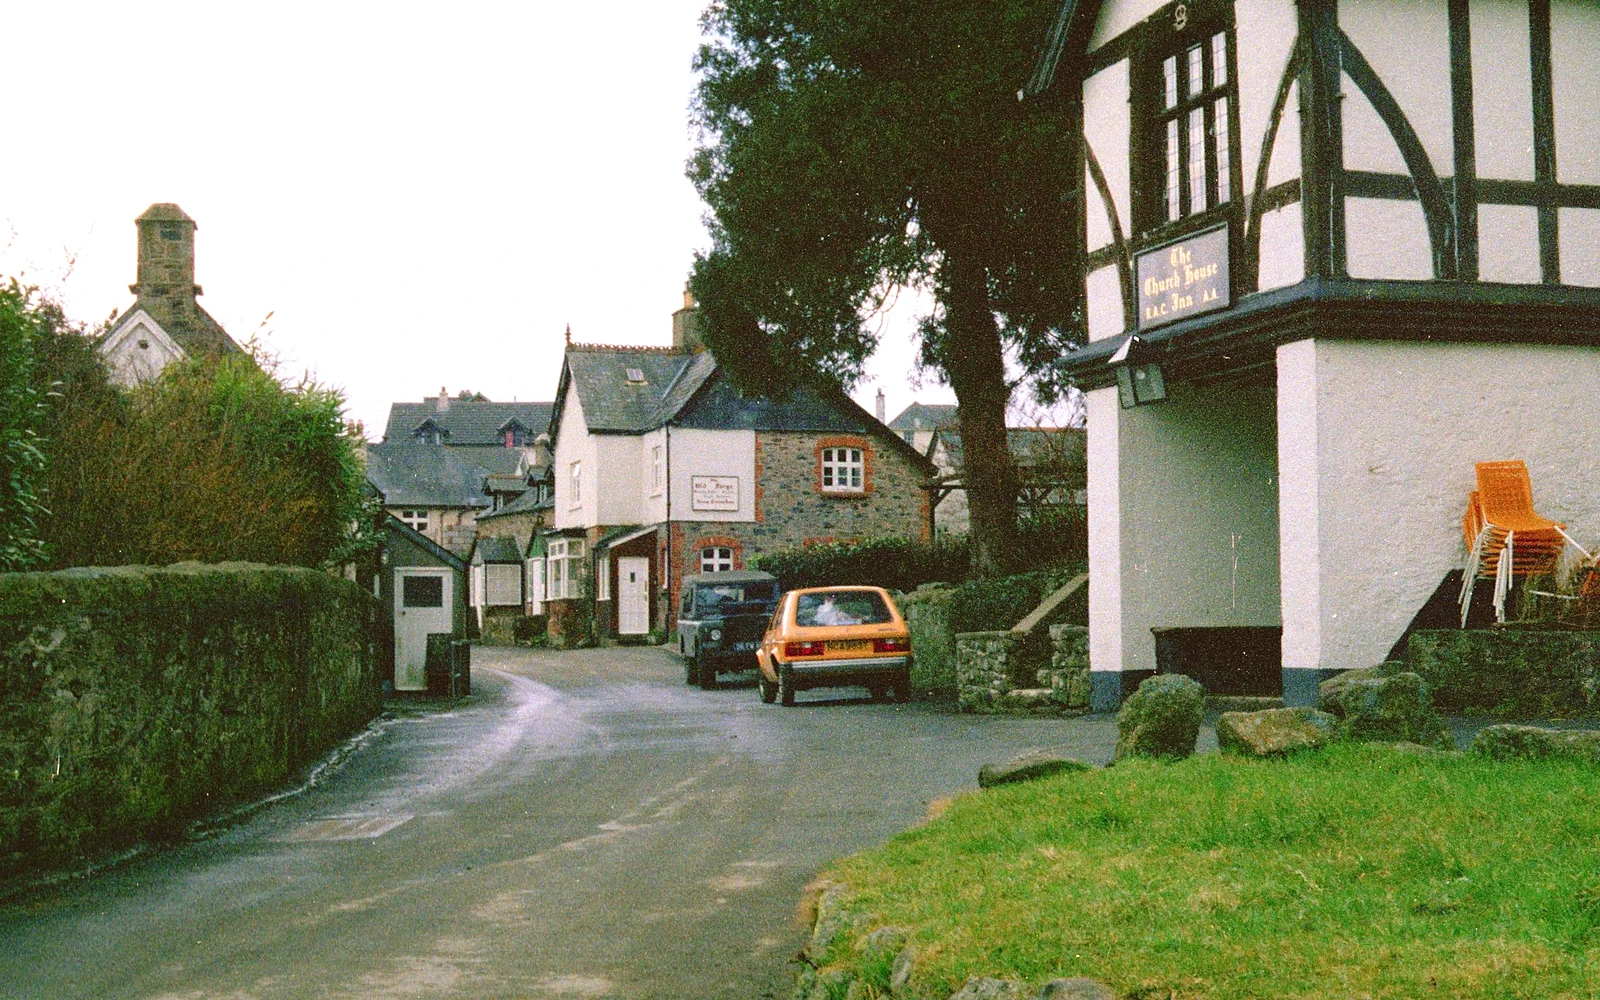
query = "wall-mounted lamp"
x=1137 y=384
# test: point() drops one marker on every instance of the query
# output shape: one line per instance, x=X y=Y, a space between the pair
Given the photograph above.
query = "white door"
x=633 y=595
x=422 y=604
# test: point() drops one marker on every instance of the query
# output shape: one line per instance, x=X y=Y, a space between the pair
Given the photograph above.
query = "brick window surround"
x=850 y=441
x=717 y=542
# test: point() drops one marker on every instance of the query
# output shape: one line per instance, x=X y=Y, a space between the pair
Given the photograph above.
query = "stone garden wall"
x=1513 y=673
x=927 y=614
x=987 y=673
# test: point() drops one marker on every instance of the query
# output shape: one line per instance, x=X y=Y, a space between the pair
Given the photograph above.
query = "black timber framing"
x=1344 y=309
x=1544 y=137
x=1322 y=139
x=1399 y=187
x=1466 y=140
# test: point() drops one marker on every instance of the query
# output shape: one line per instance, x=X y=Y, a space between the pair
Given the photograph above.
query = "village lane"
x=585 y=826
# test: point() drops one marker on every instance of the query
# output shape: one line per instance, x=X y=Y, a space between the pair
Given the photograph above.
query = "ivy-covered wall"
x=134 y=700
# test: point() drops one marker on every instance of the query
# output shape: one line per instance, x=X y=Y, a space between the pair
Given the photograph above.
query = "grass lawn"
x=1358 y=872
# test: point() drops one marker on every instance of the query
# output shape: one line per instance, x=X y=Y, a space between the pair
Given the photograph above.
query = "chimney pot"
x=882 y=404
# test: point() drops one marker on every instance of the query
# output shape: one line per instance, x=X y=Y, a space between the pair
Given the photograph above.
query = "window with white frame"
x=657 y=470
x=416 y=520
x=716 y=559
x=843 y=470
x=502 y=584
x=566 y=569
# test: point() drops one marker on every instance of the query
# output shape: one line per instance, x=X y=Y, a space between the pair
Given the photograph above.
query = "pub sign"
x=1183 y=279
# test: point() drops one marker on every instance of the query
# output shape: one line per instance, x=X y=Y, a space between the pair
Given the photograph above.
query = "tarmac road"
x=585 y=826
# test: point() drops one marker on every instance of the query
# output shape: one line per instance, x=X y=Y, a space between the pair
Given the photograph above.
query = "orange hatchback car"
x=832 y=637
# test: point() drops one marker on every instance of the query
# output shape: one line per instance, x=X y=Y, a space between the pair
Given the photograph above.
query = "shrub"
x=1053 y=536
x=894 y=563
x=994 y=605
x=21 y=421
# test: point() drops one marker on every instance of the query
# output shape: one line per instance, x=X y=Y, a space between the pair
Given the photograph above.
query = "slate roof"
x=495 y=550
x=925 y=417
x=468 y=421
x=613 y=404
x=1031 y=446
x=188 y=324
x=525 y=504
x=426 y=475
x=417 y=538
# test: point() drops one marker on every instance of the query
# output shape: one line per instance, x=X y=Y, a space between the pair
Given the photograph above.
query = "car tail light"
x=802 y=649
x=891 y=645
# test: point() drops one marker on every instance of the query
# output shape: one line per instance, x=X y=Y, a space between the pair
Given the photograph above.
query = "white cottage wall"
x=1108 y=126
x=1104 y=290
x=1266 y=33
x=1580 y=246
x=574 y=443
x=1408 y=47
x=619 y=484
x=1378 y=445
x=1508 y=244
x=1104 y=418
x=1387 y=239
x=730 y=453
x=1575 y=84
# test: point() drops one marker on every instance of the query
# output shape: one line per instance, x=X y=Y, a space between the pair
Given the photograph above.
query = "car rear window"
x=842 y=607
x=725 y=595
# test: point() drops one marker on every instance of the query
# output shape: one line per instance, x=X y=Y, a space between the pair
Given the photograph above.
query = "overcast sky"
x=420 y=196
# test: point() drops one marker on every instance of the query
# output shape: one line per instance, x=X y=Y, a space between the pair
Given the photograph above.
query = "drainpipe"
x=666 y=563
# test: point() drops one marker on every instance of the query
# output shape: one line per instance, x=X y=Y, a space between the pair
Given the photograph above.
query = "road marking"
x=344 y=828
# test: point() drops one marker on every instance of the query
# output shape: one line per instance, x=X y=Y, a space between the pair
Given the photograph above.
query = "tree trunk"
x=976 y=369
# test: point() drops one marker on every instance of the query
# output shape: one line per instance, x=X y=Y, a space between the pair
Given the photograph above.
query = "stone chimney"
x=541 y=450
x=443 y=402
x=166 y=261
x=686 y=325
x=882 y=409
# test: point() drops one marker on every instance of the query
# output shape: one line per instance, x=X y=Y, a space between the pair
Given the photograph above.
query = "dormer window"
x=429 y=432
x=635 y=376
x=516 y=435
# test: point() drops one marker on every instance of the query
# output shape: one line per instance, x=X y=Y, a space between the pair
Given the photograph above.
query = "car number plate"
x=850 y=646
x=744 y=647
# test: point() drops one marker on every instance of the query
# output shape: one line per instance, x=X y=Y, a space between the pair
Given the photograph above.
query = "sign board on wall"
x=715 y=492
x=1184 y=279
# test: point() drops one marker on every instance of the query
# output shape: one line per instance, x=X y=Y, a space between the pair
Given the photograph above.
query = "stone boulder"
x=1161 y=719
x=1330 y=693
x=1076 y=989
x=1035 y=764
x=1275 y=731
x=985 y=988
x=1534 y=743
x=1392 y=709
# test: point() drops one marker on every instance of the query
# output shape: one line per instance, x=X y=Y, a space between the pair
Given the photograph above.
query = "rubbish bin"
x=461 y=667
x=437 y=667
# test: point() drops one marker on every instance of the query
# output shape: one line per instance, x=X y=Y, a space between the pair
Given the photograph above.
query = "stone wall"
x=986 y=673
x=933 y=644
x=1513 y=673
x=134 y=700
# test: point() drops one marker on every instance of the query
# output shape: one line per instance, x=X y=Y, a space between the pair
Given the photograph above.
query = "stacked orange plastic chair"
x=1505 y=538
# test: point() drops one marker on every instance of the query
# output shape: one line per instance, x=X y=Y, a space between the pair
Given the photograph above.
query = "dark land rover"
x=721 y=618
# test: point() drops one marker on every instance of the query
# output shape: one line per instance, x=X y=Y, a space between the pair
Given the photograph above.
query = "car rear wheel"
x=878 y=690
x=708 y=673
x=902 y=686
x=769 y=690
x=785 y=686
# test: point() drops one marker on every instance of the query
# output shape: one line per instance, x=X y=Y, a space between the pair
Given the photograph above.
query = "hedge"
x=996 y=605
x=134 y=700
x=894 y=563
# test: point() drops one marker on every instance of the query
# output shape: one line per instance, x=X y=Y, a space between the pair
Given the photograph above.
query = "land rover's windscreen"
x=724 y=597
x=841 y=607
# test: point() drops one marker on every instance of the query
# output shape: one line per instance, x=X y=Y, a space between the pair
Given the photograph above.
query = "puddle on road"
x=344 y=828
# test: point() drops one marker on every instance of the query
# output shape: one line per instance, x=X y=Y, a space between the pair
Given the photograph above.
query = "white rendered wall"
x=131 y=364
x=1118 y=16
x=574 y=443
x=1508 y=244
x=619 y=484
x=1104 y=289
x=1197 y=481
x=1575 y=69
x=1408 y=47
x=1103 y=418
x=1502 y=91
x=712 y=453
x=1378 y=441
x=652 y=502
x=1266 y=33
x=1283 y=248
x=1106 y=124
x=1387 y=239
x=1580 y=246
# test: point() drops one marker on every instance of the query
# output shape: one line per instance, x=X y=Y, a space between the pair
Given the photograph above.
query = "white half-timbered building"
x=1334 y=253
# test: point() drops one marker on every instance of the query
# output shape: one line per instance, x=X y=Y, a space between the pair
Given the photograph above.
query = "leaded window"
x=1189 y=100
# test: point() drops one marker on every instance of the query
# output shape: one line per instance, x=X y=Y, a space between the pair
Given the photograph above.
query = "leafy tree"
x=22 y=416
x=850 y=150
